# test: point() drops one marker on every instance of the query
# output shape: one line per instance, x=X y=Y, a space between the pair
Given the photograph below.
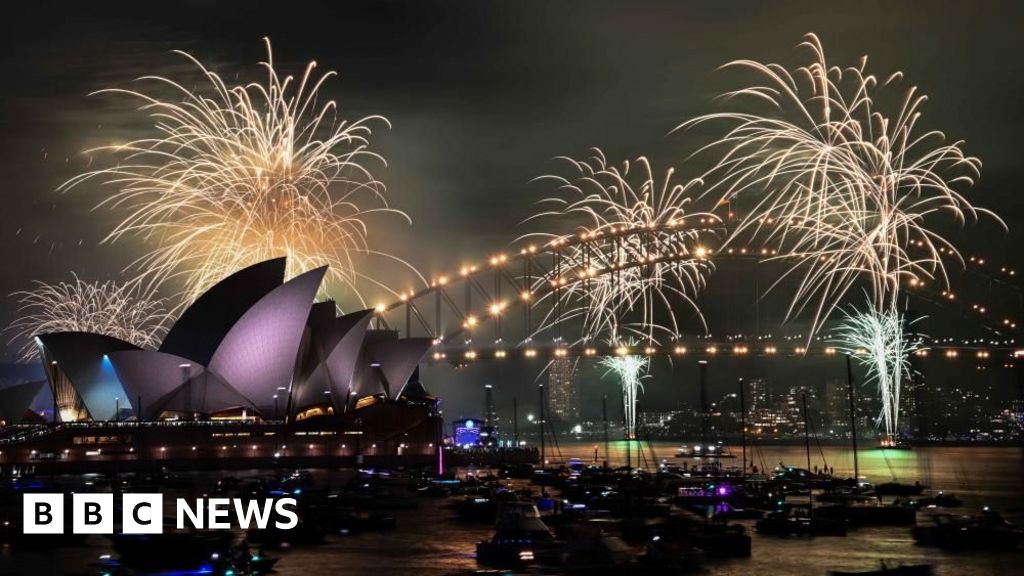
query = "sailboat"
x=796 y=522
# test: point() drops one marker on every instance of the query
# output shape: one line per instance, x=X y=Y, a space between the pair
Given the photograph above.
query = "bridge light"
x=464 y=271
x=525 y=295
x=561 y=352
x=830 y=351
x=499 y=353
x=952 y=353
x=381 y=308
x=497 y=308
x=680 y=350
x=442 y=280
x=800 y=350
x=770 y=350
x=470 y=321
x=470 y=355
x=712 y=350
x=590 y=352
x=530 y=353
x=622 y=350
x=701 y=252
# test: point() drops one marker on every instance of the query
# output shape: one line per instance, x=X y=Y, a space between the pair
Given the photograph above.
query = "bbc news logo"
x=144 y=513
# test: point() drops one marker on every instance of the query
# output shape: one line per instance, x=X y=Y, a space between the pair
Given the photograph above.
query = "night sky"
x=481 y=96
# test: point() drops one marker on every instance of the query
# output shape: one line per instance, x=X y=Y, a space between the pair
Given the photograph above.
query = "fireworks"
x=235 y=175
x=631 y=370
x=846 y=192
x=625 y=283
x=121 y=310
x=879 y=341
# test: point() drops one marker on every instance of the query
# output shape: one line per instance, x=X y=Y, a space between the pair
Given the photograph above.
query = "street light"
x=275 y=406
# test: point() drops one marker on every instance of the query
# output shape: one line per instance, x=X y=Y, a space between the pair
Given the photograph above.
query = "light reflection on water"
x=429 y=541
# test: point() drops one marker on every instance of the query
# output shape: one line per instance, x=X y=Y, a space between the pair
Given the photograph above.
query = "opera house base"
x=386 y=434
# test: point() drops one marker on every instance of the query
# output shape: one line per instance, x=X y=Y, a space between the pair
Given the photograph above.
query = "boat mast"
x=540 y=390
x=515 y=420
x=853 y=422
x=807 y=448
x=604 y=414
x=743 y=426
x=807 y=433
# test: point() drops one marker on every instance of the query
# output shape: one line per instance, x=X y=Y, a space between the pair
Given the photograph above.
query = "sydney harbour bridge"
x=525 y=301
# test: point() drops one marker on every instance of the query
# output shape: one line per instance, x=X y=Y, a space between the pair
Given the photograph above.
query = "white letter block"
x=43 y=514
x=142 y=513
x=92 y=513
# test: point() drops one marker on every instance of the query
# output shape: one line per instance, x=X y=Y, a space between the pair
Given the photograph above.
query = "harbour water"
x=429 y=540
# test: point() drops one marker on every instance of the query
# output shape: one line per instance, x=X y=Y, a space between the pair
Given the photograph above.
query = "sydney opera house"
x=253 y=369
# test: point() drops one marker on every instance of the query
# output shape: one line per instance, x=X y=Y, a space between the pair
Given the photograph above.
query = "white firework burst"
x=845 y=191
x=631 y=371
x=880 y=341
x=126 y=311
x=235 y=175
x=634 y=261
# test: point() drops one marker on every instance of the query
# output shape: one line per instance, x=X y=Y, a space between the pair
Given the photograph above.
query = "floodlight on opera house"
x=251 y=338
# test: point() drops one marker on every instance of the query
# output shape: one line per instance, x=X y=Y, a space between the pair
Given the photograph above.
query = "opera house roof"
x=252 y=342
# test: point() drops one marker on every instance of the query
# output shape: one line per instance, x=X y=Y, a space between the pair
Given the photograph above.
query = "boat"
x=170 y=549
x=794 y=523
x=520 y=538
x=899 y=489
x=940 y=500
x=712 y=451
x=884 y=570
x=869 y=512
x=987 y=531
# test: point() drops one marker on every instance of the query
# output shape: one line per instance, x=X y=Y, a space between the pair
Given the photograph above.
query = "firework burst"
x=126 y=311
x=639 y=262
x=879 y=341
x=631 y=370
x=847 y=193
x=235 y=175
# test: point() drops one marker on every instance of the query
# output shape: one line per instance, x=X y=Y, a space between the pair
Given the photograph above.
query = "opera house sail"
x=253 y=357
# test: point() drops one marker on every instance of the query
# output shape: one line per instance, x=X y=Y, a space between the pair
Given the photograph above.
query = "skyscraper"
x=490 y=412
x=562 y=393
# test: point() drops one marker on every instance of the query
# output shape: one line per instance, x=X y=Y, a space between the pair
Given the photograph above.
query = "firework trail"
x=235 y=175
x=630 y=370
x=126 y=311
x=625 y=284
x=846 y=192
x=879 y=341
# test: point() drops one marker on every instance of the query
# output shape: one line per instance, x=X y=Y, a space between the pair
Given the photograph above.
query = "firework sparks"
x=631 y=370
x=880 y=342
x=125 y=311
x=625 y=283
x=845 y=192
x=235 y=175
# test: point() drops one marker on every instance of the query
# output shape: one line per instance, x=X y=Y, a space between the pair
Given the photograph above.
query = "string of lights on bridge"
x=737 y=345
